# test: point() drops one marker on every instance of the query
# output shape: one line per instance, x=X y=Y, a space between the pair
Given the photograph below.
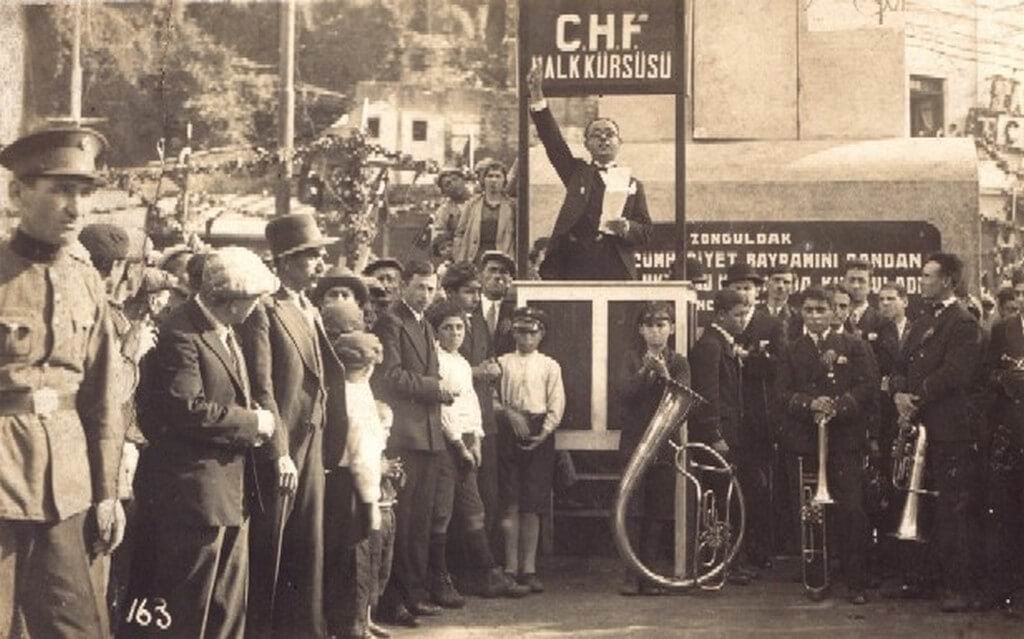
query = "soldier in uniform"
x=60 y=426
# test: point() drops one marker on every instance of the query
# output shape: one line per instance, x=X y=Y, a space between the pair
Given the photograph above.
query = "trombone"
x=814 y=496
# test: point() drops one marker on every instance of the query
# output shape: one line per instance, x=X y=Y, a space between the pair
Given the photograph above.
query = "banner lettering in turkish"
x=605 y=46
x=817 y=252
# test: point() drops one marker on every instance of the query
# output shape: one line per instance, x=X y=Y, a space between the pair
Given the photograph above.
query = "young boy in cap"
x=350 y=561
x=533 y=401
x=641 y=383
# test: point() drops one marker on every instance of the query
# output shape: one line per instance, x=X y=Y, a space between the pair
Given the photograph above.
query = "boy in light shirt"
x=533 y=404
x=458 y=491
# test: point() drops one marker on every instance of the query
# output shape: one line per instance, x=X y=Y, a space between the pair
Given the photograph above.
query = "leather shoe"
x=425 y=609
x=399 y=616
x=858 y=598
x=443 y=592
x=512 y=588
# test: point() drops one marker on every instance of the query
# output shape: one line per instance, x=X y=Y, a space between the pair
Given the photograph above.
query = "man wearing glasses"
x=604 y=216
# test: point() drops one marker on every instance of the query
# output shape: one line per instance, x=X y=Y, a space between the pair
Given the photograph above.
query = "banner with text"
x=816 y=251
x=605 y=46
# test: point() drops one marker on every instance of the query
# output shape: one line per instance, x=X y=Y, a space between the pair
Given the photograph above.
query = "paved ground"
x=582 y=601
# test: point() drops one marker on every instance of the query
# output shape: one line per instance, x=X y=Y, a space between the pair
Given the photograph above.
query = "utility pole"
x=76 y=66
x=286 y=105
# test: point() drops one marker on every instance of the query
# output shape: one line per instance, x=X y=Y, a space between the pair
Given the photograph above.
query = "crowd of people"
x=771 y=370
x=200 y=442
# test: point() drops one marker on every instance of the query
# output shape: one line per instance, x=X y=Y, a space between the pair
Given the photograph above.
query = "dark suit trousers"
x=44 y=572
x=298 y=605
x=950 y=469
x=413 y=517
x=199 y=583
x=752 y=467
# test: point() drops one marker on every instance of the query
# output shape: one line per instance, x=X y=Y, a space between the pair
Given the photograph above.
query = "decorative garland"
x=343 y=177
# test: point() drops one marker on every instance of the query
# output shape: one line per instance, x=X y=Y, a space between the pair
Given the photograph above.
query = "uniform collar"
x=34 y=250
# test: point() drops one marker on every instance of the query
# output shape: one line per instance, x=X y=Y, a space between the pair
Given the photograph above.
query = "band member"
x=931 y=388
x=641 y=383
x=829 y=374
x=202 y=430
x=60 y=425
x=1004 y=368
x=761 y=340
x=604 y=216
x=715 y=365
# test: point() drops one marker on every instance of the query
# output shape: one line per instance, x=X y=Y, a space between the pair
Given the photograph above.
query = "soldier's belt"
x=34 y=402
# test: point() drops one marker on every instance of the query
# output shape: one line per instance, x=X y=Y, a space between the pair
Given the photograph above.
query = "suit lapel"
x=209 y=337
x=415 y=332
x=586 y=186
x=294 y=324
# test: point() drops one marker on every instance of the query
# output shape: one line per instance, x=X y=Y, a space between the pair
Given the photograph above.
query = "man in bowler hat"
x=292 y=366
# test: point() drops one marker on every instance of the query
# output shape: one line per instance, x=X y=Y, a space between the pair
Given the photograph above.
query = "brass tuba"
x=717 y=537
x=908 y=457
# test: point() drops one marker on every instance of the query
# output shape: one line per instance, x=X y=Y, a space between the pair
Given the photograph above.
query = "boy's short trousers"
x=525 y=476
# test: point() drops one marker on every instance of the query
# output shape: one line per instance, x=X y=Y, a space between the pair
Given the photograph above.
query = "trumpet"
x=718 y=537
x=908 y=458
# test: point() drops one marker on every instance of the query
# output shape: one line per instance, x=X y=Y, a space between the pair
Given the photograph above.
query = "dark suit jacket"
x=789 y=317
x=408 y=380
x=476 y=348
x=291 y=369
x=1006 y=389
x=803 y=376
x=502 y=341
x=880 y=334
x=716 y=378
x=639 y=396
x=584 y=192
x=764 y=338
x=201 y=429
x=939 y=364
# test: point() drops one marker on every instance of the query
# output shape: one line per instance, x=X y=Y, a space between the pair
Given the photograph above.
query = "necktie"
x=492 y=318
x=238 y=360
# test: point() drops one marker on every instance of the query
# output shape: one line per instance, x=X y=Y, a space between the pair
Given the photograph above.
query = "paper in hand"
x=618 y=185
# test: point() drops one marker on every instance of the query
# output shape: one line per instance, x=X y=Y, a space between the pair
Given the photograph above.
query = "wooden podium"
x=593 y=327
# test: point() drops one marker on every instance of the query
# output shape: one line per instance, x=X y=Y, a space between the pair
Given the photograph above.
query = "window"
x=373 y=127
x=927 y=108
x=419 y=130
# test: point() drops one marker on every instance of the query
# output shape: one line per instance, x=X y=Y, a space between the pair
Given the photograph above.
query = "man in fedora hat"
x=60 y=425
x=293 y=367
x=761 y=340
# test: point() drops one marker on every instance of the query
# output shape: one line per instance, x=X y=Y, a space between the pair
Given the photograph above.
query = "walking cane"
x=282 y=519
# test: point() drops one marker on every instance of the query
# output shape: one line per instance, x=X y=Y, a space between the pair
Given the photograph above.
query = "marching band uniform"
x=804 y=374
x=938 y=365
